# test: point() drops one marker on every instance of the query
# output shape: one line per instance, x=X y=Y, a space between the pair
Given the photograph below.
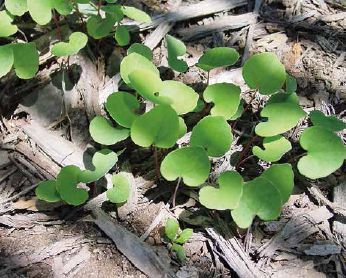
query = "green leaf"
x=218 y=57
x=325 y=152
x=135 y=62
x=291 y=84
x=213 y=134
x=140 y=49
x=136 y=14
x=182 y=98
x=46 y=191
x=16 y=7
x=148 y=84
x=274 y=148
x=122 y=35
x=264 y=72
x=40 y=11
x=26 y=59
x=227 y=196
x=6 y=59
x=67 y=181
x=158 y=127
x=121 y=107
x=182 y=127
x=115 y=11
x=171 y=229
x=6 y=27
x=77 y=41
x=102 y=162
x=176 y=48
x=63 y=7
x=102 y=132
x=99 y=27
x=226 y=99
x=331 y=123
x=121 y=190
x=180 y=252
x=190 y=163
x=184 y=236
x=283 y=113
x=239 y=112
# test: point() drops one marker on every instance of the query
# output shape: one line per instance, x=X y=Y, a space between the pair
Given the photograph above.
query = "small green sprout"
x=176 y=238
x=120 y=191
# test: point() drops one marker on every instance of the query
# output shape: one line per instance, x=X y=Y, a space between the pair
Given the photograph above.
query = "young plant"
x=177 y=238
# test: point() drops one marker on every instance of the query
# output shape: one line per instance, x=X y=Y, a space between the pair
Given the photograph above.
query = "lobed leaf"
x=331 y=123
x=213 y=134
x=226 y=99
x=274 y=148
x=77 y=41
x=218 y=57
x=140 y=49
x=184 y=236
x=99 y=27
x=120 y=192
x=189 y=163
x=227 y=196
x=47 y=191
x=176 y=48
x=264 y=72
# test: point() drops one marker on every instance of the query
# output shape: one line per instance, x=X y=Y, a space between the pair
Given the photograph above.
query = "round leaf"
x=213 y=134
x=135 y=62
x=26 y=59
x=228 y=194
x=16 y=7
x=102 y=162
x=6 y=59
x=218 y=57
x=190 y=163
x=264 y=72
x=226 y=99
x=331 y=123
x=158 y=127
x=136 y=14
x=121 y=190
x=182 y=127
x=67 y=181
x=102 y=131
x=46 y=191
x=77 y=41
x=99 y=27
x=182 y=98
x=6 y=27
x=140 y=49
x=325 y=152
x=121 y=107
x=176 y=48
x=171 y=229
x=274 y=148
x=122 y=35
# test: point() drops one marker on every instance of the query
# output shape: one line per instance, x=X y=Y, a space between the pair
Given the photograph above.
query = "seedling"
x=177 y=238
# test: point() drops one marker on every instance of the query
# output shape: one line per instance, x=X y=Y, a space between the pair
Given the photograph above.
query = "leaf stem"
x=175 y=192
x=158 y=175
x=244 y=152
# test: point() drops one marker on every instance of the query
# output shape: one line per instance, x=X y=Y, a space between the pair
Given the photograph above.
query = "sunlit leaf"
x=120 y=191
x=171 y=229
x=77 y=41
x=274 y=148
x=184 y=236
x=47 y=191
x=136 y=14
x=6 y=59
x=16 y=7
x=189 y=163
x=329 y=122
x=175 y=49
x=140 y=49
x=218 y=57
x=6 y=27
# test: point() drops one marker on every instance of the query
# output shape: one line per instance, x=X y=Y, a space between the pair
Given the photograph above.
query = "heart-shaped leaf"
x=135 y=62
x=218 y=57
x=77 y=41
x=149 y=90
x=264 y=72
x=325 y=152
x=189 y=163
x=226 y=99
x=140 y=49
x=16 y=7
x=122 y=35
x=274 y=148
x=67 y=182
x=26 y=59
x=102 y=162
x=175 y=49
x=264 y=195
x=102 y=131
x=171 y=229
x=227 y=196
x=47 y=191
x=99 y=27
x=182 y=98
x=331 y=123
x=283 y=113
x=6 y=27
x=121 y=190
x=6 y=59
x=213 y=134
x=136 y=14
x=158 y=127
x=121 y=107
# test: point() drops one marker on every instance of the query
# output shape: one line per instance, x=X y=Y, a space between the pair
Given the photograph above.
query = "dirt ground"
x=42 y=240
